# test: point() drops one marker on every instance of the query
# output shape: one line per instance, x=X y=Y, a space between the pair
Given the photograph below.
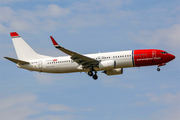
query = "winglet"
x=54 y=42
x=14 y=34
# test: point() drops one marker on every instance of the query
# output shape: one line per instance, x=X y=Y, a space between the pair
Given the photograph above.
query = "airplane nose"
x=171 y=56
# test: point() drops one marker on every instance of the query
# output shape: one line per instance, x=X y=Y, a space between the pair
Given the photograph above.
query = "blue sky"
x=90 y=26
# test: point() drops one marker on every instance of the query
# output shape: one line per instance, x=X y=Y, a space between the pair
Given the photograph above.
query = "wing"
x=85 y=61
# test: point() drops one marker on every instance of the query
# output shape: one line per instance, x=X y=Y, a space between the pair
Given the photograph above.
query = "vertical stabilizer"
x=23 y=50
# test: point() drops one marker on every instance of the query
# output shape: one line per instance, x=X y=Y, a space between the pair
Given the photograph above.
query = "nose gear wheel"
x=158 y=69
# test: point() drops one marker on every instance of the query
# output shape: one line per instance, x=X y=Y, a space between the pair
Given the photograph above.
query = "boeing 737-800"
x=111 y=63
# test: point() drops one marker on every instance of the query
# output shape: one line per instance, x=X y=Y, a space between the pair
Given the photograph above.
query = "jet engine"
x=107 y=65
x=114 y=71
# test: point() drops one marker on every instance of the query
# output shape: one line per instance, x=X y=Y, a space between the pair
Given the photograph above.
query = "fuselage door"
x=153 y=54
x=40 y=64
x=103 y=58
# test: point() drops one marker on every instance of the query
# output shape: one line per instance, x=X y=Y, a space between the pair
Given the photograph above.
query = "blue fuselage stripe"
x=133 y=57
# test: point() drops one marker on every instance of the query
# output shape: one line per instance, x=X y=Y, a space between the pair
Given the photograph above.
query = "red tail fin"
x=14 y=34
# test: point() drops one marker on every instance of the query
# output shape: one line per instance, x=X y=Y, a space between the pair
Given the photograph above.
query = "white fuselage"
x=110 y=63
x=65 y=64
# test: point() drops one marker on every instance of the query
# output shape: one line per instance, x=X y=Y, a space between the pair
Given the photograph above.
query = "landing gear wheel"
x=95 y=77
x=158 y=69
x=90 y=73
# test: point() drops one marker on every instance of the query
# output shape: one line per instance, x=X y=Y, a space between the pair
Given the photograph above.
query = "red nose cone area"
x=172 y=57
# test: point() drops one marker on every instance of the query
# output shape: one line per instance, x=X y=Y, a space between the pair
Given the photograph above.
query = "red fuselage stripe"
x=147 y=57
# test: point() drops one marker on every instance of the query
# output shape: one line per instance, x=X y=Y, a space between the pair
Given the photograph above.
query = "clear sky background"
x=90 y=26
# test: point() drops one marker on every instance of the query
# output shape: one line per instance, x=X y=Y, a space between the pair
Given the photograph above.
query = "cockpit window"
x=164 y=52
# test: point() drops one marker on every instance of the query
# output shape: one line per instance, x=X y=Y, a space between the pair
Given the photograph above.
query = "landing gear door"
x=40 y=64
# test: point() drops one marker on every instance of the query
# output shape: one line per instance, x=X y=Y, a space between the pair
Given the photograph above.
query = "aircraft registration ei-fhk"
x=111 y=63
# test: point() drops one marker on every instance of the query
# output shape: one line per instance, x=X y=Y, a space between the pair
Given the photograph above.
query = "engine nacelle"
x=107 y=65
x=114 y=71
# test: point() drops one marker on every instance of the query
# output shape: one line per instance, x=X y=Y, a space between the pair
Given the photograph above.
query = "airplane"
x=110 y=63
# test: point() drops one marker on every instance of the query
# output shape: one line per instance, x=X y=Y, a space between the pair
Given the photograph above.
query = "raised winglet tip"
x=14 y=34
x=53 y=41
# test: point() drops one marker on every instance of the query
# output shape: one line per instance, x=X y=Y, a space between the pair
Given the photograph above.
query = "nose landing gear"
x=158 y=69
x=162 y=64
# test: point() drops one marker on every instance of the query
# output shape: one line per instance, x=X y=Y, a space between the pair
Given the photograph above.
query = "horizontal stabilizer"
x=17 y=61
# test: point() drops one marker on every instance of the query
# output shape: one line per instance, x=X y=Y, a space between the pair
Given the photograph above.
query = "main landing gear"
x=90 y=73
